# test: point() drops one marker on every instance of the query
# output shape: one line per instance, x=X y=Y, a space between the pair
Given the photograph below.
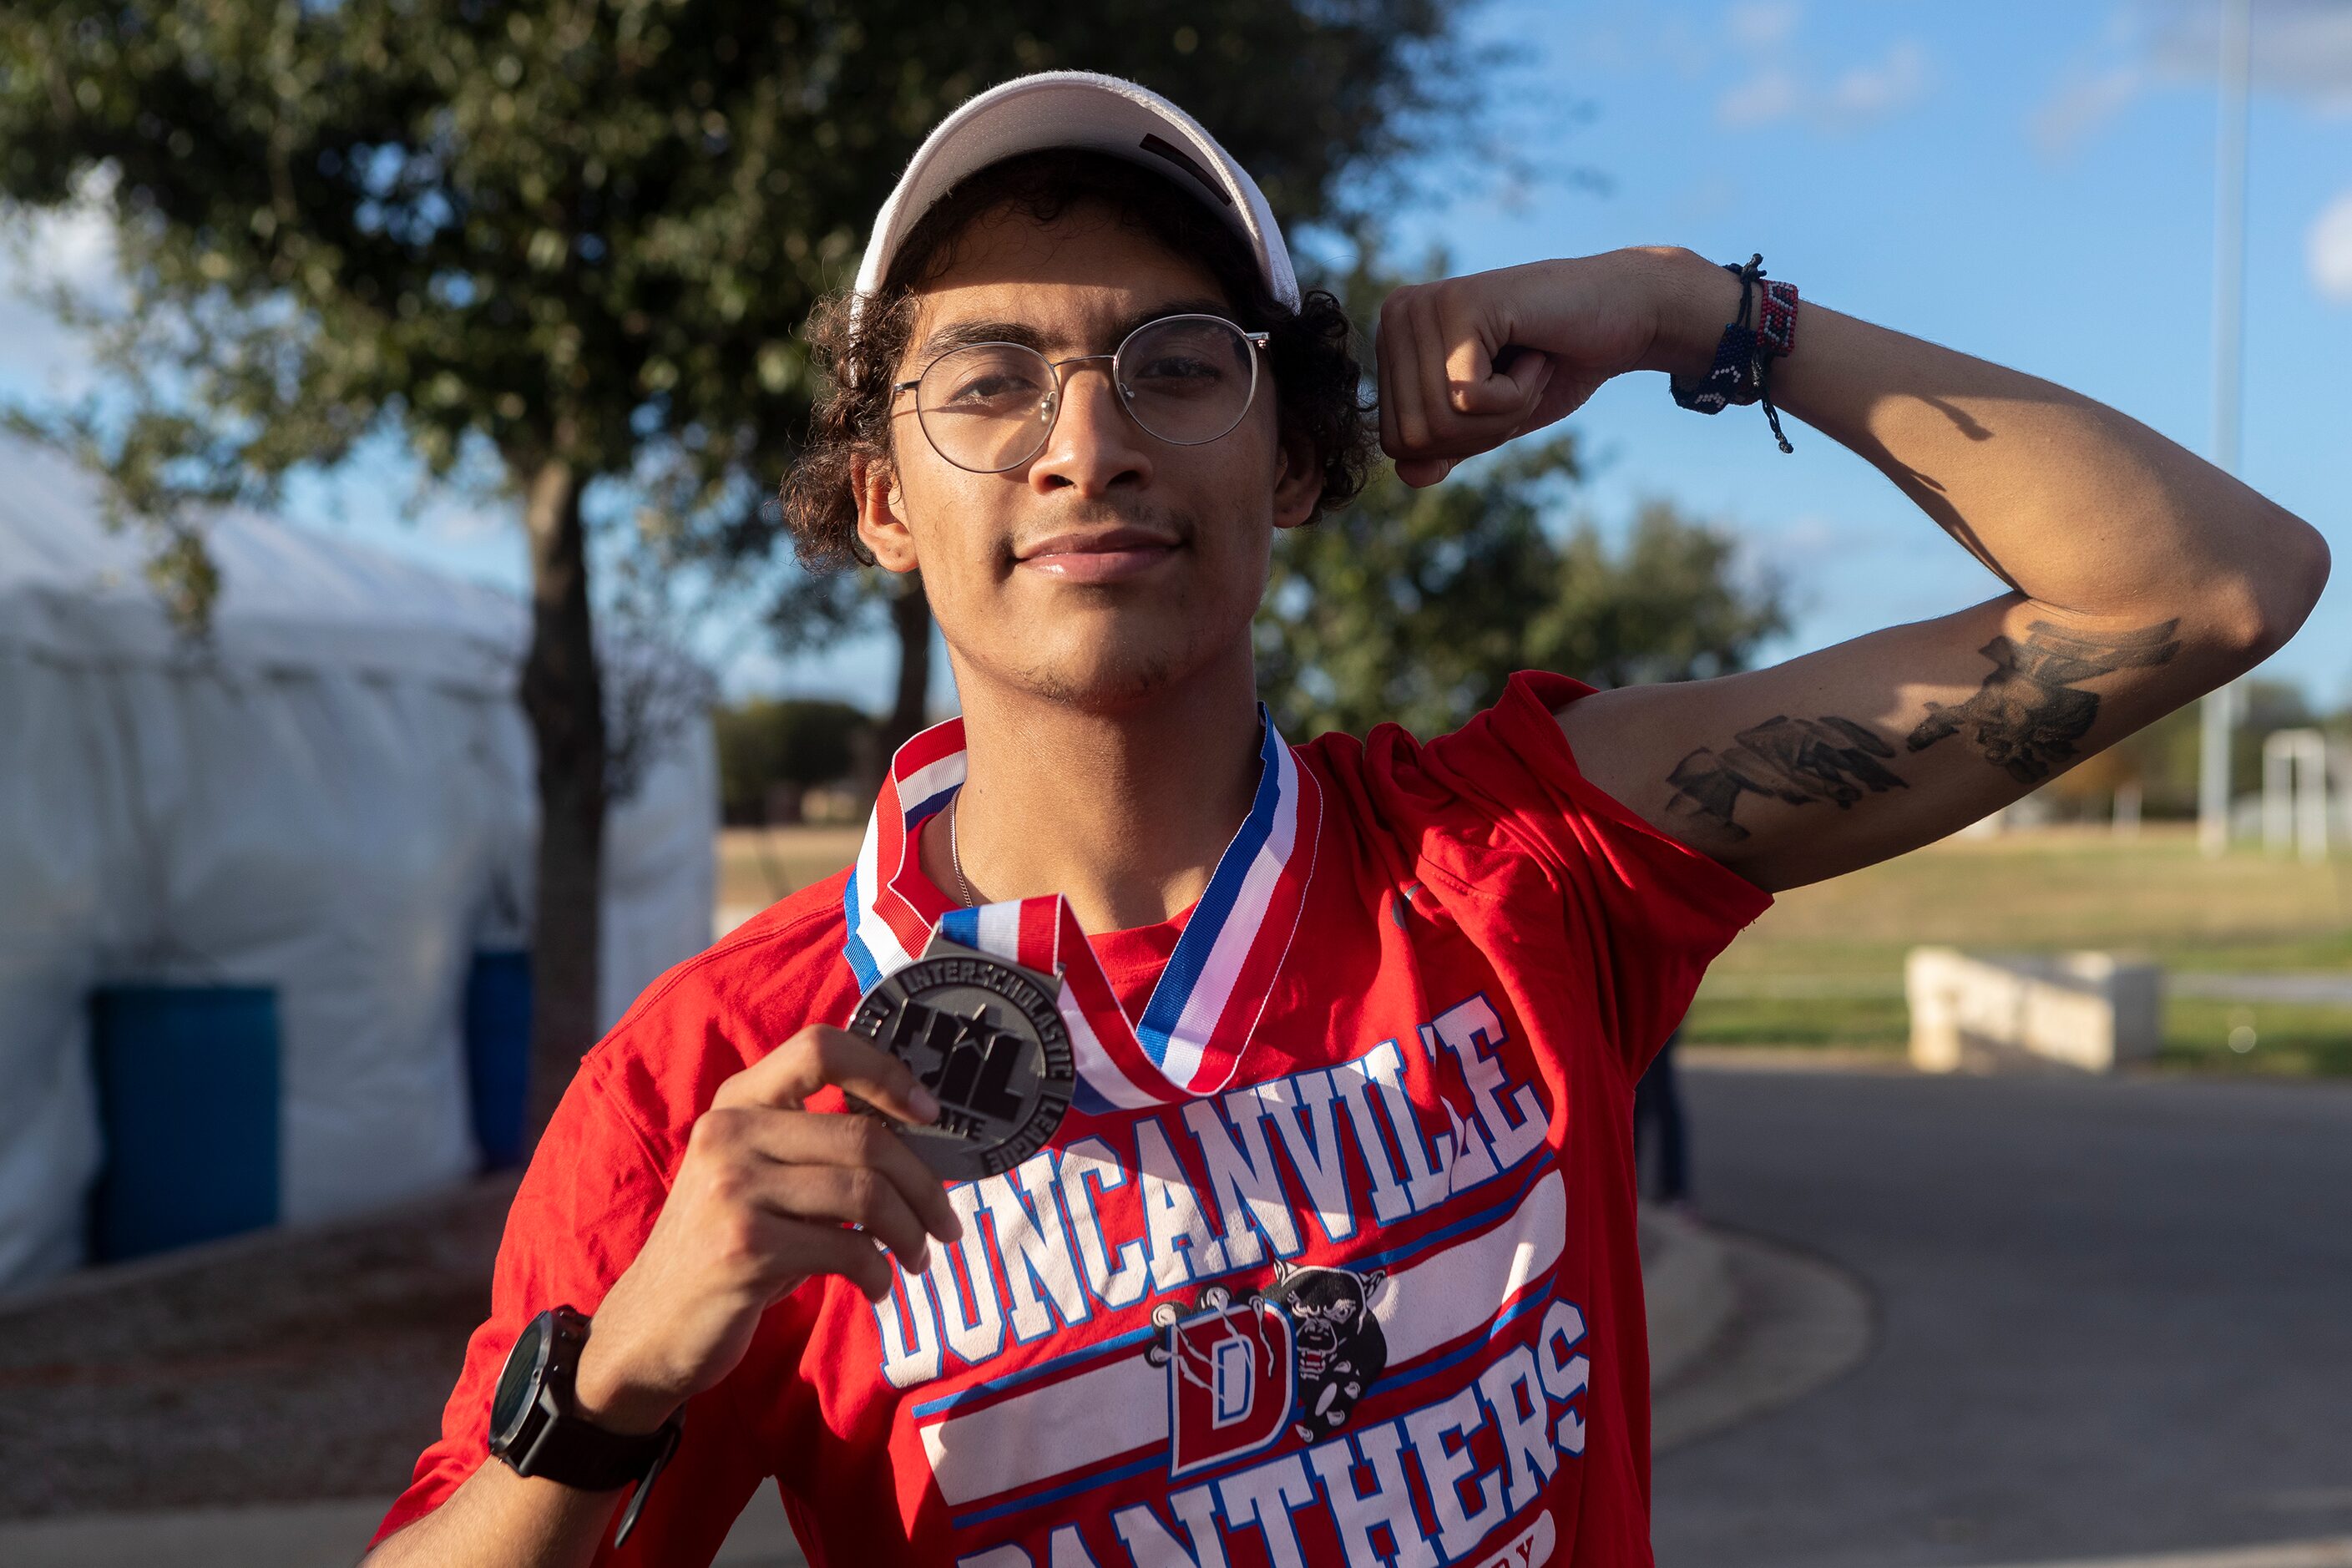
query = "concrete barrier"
x=2090 y=1012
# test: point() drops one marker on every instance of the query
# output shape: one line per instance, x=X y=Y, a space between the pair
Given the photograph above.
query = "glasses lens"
x=1189 y=378
x=985 y=407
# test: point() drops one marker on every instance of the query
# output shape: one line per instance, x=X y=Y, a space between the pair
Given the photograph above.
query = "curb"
x=1686 y=1293
x=1797 y=1323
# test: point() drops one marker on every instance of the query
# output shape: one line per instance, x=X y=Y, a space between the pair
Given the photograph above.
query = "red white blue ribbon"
x=1209 y=998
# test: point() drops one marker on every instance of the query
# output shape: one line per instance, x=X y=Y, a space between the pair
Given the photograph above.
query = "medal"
x=1187 y=1039
x=987 y=1039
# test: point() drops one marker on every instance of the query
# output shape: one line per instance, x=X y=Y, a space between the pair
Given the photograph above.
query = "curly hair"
x=857 y=346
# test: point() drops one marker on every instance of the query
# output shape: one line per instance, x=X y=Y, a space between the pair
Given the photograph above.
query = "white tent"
x=331 y=795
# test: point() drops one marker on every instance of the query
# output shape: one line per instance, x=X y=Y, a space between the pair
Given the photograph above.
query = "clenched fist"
x=1467 y=364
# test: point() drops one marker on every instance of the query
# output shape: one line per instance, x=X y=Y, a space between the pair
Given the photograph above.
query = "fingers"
x=1451 y=386
x=829 y=1249
x=819 y=1056
x=846 y=1195
x=757 y=1141
x=1474 y=380
x=1530 y=374
x=1387 y=357
x=1426 y=340
x=863 y=1142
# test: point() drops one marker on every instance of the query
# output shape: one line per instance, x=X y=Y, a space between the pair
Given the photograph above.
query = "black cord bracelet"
x=1765 y=331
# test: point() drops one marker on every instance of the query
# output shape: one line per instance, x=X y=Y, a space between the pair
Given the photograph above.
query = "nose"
x=1094 y=446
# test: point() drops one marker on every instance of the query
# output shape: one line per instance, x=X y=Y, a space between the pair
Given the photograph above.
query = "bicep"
x=1859 y=752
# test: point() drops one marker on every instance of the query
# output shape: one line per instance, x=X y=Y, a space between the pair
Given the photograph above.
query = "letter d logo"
x=1232 y=1373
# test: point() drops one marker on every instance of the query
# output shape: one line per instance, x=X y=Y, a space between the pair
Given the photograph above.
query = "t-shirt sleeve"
x=583 y=1210
x=1503 y=794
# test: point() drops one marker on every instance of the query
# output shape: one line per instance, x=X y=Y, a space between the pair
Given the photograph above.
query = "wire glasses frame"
x=989 y=407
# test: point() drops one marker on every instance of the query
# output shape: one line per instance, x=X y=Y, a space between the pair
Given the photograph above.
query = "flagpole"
x=2218 y=713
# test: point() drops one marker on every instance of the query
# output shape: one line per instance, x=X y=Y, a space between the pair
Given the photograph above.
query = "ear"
x=881 y=514
x=1298 y=480
x=1373 y=1283
x=1283 y=1271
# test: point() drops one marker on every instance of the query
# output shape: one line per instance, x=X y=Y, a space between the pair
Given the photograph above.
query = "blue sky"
x=2029 y=183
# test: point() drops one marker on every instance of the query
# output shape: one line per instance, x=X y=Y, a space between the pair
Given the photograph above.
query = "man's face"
x=1113 y=564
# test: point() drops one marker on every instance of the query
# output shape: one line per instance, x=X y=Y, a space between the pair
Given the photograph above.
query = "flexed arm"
x=2138 y=575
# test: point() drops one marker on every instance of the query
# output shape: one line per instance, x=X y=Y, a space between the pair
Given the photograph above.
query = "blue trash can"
x=497 y=1053
x=188 y=1105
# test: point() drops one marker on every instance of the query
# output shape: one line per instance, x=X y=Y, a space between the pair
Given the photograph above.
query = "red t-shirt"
x=1378 y=1303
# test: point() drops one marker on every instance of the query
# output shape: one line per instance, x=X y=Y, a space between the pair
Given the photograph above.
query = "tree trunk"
x=911 y=617
x=563 y=695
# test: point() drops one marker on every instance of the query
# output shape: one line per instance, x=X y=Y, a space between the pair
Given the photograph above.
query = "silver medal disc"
x=986 y=1039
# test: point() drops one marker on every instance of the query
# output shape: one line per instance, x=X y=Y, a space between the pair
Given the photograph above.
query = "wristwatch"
x=537 y=1428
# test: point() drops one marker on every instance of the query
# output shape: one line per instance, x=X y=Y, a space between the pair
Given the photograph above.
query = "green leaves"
x=768 y=744
x=578 y=230
x=1416 y=605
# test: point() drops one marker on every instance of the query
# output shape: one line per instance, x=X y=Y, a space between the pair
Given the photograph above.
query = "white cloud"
x=1870 y=92
x=1762 y=24
x=2087 y=102
x=2330 y=250
x=2302 y=48
x=1764 y=98
x=1773 y=93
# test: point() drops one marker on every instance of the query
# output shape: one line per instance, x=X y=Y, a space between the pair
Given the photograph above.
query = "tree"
x=767 y=743
x=812 y=611
x=572 y=239
x=2162 y=759
x=1418 y=604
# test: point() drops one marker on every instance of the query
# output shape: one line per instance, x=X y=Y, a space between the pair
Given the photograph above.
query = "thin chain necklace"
x=955 y=856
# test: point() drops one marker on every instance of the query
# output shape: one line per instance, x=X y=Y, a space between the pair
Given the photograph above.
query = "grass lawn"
x=1824 y=967
x=757 y=865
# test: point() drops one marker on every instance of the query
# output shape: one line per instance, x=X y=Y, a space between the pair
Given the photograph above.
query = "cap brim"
x=1097 y=113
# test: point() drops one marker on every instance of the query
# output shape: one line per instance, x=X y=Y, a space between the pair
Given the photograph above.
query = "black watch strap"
x=543 y=1434
x=573 y=1451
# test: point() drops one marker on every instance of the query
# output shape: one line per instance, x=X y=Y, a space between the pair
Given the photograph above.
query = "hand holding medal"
x=769 y=1193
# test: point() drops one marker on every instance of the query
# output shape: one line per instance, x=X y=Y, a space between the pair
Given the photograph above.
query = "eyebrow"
x=952 y=336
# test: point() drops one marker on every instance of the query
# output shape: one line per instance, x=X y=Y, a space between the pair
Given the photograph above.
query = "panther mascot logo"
x=1342 y=1350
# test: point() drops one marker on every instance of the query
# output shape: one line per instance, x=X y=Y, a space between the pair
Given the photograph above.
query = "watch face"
x=512 y=1401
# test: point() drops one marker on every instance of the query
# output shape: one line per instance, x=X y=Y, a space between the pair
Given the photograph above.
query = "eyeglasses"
x=988 y=407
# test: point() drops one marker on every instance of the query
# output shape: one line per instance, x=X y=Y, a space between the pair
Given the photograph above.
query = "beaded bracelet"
x=1742 y=370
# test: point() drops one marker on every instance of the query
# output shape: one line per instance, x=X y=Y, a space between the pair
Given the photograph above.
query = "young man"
x=1331 y=1257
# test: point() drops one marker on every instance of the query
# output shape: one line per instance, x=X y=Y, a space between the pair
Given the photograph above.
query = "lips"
x=1097 y=555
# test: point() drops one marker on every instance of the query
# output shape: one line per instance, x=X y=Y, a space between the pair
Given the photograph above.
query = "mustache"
x=1107 y=512
x=1177 y=524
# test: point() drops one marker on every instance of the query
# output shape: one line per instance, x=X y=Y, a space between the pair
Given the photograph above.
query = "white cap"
x=1081 y=109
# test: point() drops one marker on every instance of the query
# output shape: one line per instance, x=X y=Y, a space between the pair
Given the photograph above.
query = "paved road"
x=2115 y=1317
x=2308 y=990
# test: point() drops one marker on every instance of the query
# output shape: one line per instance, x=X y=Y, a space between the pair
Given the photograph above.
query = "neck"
x=1123 y=814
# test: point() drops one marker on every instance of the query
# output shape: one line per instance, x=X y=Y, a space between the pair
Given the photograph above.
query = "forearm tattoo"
x=2025 y=718
x=1796 y=761
x=2028 y=714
